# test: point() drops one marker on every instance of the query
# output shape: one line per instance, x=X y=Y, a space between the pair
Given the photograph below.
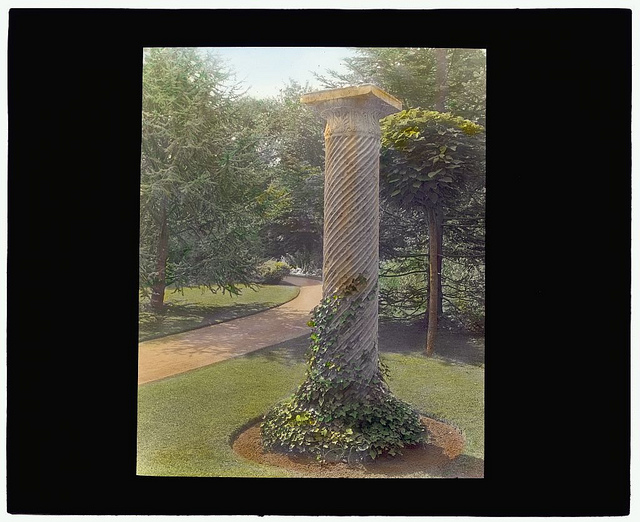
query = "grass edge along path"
x=211 y=310
x=186 y=422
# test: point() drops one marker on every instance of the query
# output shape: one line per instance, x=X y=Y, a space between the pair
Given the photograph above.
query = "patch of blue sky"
x=264 y=71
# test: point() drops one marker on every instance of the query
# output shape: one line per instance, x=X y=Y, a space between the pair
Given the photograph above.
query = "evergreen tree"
x=200 y=177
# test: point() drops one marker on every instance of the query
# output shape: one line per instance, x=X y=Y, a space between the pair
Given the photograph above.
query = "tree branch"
x=406 y=273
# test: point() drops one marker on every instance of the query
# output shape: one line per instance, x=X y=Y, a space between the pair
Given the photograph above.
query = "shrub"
x=271 y=272
x=308 y=263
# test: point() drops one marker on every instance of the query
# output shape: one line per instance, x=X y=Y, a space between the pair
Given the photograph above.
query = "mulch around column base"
x=442 y=457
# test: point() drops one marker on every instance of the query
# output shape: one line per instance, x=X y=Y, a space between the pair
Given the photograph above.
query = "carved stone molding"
x=342 y=120
x=353 y=110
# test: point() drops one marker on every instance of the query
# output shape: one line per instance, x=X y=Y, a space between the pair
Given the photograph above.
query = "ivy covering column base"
x=343 y=410
x=352 y=432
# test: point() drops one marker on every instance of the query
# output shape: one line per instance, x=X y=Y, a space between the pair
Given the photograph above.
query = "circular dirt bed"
x=440 y=458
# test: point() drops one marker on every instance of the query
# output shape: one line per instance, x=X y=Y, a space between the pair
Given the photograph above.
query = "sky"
x=265 y=70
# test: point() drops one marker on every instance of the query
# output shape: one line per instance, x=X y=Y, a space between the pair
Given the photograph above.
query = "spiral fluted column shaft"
x=351 y=208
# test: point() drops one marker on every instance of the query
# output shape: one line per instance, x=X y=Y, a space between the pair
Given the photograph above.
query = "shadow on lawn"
x=429 y=459
x=291 y=352
x=220 y=314
x=183 y=317
x=451 y=346
x=239 y=337
x=395 y=337
x=464 y=466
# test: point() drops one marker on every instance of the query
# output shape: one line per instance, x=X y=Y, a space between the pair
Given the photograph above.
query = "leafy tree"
x=446 y=80
x=404 y=243
x=403 y=268
x=430 y=163
x=296 y=156
x=199 y=177
x=463 y=271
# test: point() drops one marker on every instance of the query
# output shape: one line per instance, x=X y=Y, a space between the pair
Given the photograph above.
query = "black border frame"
x=559 y=178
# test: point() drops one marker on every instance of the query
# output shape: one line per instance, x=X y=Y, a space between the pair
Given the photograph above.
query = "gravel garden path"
x=178 y=353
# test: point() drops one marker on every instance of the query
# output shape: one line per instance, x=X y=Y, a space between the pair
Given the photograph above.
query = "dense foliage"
x=272 y=272
x=294 y=228
x=428 y=158
x=412 y=75
x=452 y=82
x=432 y=161
x=201 y=176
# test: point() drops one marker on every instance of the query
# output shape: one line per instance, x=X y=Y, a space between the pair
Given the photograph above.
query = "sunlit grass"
x=185 y=422
x=451 y=392
x=196 y=307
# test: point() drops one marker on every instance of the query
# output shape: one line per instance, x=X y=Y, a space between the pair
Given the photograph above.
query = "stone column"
x=351 y=202
x=344 y=409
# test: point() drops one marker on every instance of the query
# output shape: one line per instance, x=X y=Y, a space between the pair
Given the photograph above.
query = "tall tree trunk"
x=433 y=282
x=160 y=279
x=440 y=234
x=440 y=105
x=441 y=79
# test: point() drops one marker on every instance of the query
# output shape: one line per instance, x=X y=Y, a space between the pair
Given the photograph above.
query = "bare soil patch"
x=442 y=457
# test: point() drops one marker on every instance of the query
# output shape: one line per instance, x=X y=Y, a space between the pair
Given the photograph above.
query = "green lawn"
x=185 y=422
x=196 y=307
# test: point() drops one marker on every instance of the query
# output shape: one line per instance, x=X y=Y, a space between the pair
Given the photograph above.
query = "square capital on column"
x=366 y=97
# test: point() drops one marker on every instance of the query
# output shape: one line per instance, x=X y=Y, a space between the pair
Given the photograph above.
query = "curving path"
x=178 y=353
